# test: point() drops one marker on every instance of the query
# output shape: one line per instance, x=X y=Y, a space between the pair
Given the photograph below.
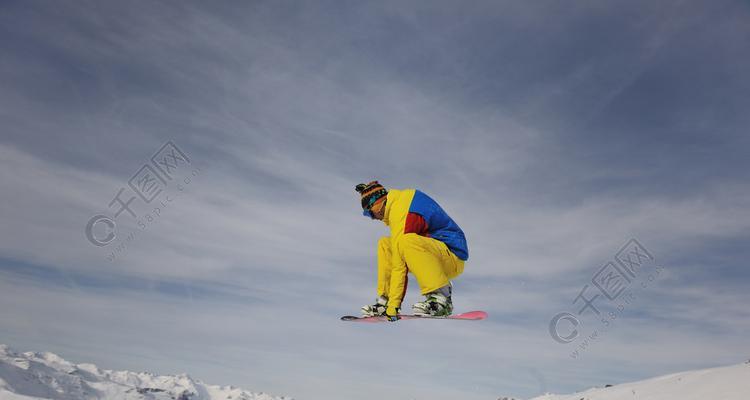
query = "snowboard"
x=467 y=316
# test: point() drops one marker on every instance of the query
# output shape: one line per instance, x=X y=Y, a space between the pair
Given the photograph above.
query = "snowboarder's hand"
x=392 y=313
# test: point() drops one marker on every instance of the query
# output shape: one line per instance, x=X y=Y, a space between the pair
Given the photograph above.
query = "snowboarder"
x=424 y=240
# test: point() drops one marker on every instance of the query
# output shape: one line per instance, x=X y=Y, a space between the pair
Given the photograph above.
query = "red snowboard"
x=468 y=316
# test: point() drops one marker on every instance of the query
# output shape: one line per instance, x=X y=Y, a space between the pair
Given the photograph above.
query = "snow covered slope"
x=725 y=383
x=32 y=376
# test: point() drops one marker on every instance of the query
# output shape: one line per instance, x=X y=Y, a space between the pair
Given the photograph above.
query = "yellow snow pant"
x=430 y=260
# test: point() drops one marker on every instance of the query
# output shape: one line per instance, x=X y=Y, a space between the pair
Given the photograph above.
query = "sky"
x=554 y=133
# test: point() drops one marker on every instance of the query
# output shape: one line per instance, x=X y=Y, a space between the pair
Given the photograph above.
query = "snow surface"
x=33 y=376
x=724 y=383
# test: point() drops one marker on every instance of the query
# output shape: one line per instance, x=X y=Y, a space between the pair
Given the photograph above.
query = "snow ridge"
x=723 y=383
x=34 y=376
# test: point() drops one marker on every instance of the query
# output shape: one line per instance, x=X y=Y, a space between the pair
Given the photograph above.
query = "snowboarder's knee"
x=413 y=241
x=410 y=238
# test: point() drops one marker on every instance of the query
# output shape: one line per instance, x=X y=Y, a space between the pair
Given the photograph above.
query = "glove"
x=376 y=310
x=392 y=313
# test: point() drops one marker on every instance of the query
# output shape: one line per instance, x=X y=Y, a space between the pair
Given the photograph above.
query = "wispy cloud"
x=551 y=133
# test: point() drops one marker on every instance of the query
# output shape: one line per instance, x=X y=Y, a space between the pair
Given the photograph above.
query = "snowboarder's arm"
x=384 y=268
x=398 y=277
x=399 y=270
x=398 y=280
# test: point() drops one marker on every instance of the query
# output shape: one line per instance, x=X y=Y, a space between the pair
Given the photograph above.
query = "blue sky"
x=551 y=132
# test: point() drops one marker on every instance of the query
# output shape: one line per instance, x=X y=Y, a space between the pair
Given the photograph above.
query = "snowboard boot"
x=377 y=309
x=436 y=304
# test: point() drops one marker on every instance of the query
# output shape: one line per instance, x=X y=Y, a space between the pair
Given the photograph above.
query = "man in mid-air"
x=424 y=240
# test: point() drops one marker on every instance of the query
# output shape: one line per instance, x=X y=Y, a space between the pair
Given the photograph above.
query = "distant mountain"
x=33 y=376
